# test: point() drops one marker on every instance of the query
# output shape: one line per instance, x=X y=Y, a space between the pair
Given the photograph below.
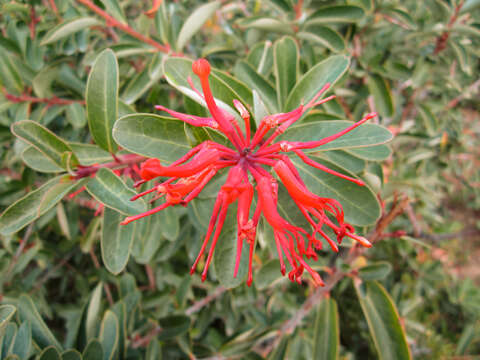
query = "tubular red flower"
x=248 y=160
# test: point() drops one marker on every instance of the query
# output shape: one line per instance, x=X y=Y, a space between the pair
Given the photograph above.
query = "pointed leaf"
x=382 y=96
x=375 y=271
x=93 y=311
x=324 y=36
x=286 y=67
x=326 y=340
x=102 y=99
x=34 y=204
x=195 y=21
x=383 y=321
x=40 y=332
x=152 y=136
x=116 y=241
x=23 y=341
x=44 y=141
x=336 y=14
x=327 y=71
x=111 y=191
x=6 y=313
x=69 y=27
x=173 y=326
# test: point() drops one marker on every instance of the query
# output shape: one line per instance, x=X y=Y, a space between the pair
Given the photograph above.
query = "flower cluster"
x=248 y=160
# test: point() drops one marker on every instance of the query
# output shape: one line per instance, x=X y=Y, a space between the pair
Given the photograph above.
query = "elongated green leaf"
x=344 y=160
x=323 y=36
x=260 y=57
x=116 y=241
x=326 y=340
x=364 y=135
x=382 y=96
x=89 y=154
x=225 y=88
x=327 y=71
x=152 y=135
x=147 y=240
x=195 y=21
x=373 y=153
x=109 y=334
x=375 y=271
x=173 y=326
x=169 y=223
x=44 y=141
x=69 y=27
x=286 y=67
x=6 y=313
x=34 y=204
x=102 y=99
x=93 y=311
x=143 y=81
x=40 y=332
x=93 y=351
x=111 y=191
x=266 y=24
x=268 y=274
x=35 y=160
x=359 y=202
x=75 y=114
x=23 y=341
x=9 y=74
x=336 y=14
x=257 y=82
x=50 y=353
x=113 y=8
x=383 y=321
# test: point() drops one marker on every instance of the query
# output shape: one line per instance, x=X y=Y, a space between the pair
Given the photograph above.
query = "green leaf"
x=173 y=326
x=195 y=21
x=169 y=223
x=258 y=83
x=327 y=71
x=286 y=67
x=109 y=334
x=23 y=341
x=311 y=130
x=6 y=313
x=34 y=204
x=467 y=337
x=116 y=241
x=382 y=96
x=40 y=332
x=343 y=159
x=383 y=321
x=50 y=353
x=259 y=108
x=142 y=82
x=69 y=27
x=93 y=351
x=102 y=99
x=44 y=141
x=9 y=74
x=326 y=339
x=359 y=202
x=224 y=259
x=268 y=274
x=75 y=114
x=372 y=153
x=225 y=88
x=260 y=57
x=147 y=240
x=89 y=154
x=113 y=8
x=324 y=36
x=266 y=24
x=375 y=271
x=93 y=312
x=111 y=191
x=71 y=355
x=336 y=14
x=152 y=136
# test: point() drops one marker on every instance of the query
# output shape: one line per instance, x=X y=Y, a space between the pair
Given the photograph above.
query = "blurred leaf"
x=9 y=74
x=169 y=224
x=34 y=204
x=102 y=99
x=142 y=82
x=43 y=140
x=382 y=96
x=71 y=355
x=383 y=321
x=336 y=14
x=327 y=71
x=376 y=271
x=114 y=8
x=195 y=21
x=109 y=334
x=110 y=190
x=76 y=115
x=268 y=274
x=40 y=332
x=50 y=353
x=116 y=241
x=69 y=27
x=286 y=67
x=324 y=36
x=373 y=153
x=468 y=336
x=23 y=341
x=266 y=24
x=93 y=312
x=152 y=136
x=6 y=313
x=93 y=351
x=326 y=340
x=173 y=326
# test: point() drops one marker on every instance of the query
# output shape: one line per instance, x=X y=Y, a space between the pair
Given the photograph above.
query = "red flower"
x=188 y=176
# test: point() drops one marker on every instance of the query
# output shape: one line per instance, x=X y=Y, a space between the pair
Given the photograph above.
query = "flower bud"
x=201 y=68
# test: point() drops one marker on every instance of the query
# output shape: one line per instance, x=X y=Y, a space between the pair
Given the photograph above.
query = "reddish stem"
x=111 y=21
x=49 y=101
x=121 y=161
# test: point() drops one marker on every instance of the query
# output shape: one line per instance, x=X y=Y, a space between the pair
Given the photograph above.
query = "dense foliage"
x=79 y=83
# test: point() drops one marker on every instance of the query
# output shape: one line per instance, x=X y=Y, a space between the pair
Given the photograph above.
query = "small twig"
x=144 y=341
x=119 y=162
x=53 y=6
x=49 y=101
x=205 y=301
x=441 y=42
x=111 y=21
x=151 y=277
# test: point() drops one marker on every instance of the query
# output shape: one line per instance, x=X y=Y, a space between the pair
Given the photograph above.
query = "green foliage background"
x=77 y=89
